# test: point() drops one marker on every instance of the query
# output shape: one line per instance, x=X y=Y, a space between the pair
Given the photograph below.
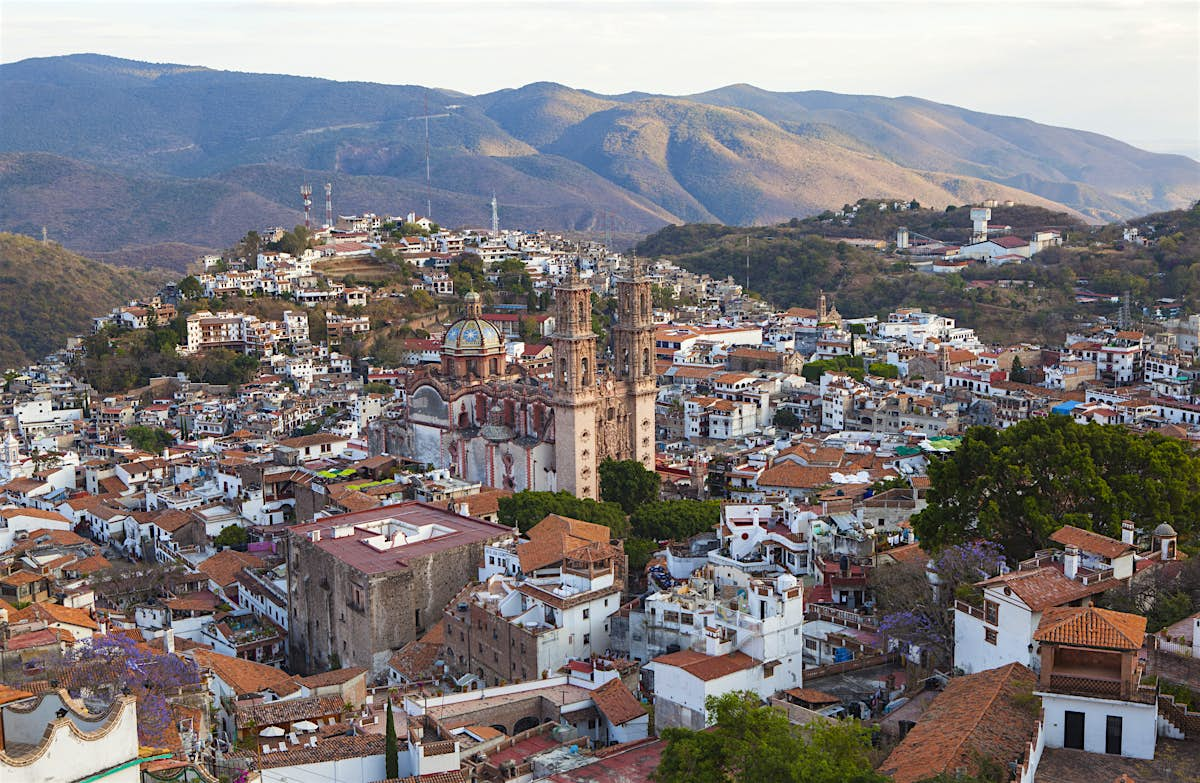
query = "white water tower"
x=901 y=238
x=979 y=224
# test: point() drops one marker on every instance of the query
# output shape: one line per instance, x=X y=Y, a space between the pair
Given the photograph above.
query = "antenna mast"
x=306 y=195
x=328 y=205
x=495 y=216
x=747 y=292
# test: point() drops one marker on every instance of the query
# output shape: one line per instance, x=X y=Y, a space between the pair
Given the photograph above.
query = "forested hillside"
x=48 y=294
x=115 y=155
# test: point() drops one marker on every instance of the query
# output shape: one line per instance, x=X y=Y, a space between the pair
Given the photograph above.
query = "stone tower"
x=633 y=359
x=575 y=394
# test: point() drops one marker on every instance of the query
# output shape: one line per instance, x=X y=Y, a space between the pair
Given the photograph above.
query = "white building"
x=1090 y=682
x=757 y=647
x=55 y=739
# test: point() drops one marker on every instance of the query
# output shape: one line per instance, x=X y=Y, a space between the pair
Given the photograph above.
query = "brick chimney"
x=1071 y=562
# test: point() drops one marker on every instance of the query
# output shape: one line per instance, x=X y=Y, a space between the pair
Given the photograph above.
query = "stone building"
x=366 y=583
x=502 y=425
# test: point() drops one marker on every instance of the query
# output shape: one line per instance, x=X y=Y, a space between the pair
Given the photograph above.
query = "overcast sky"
x=1125 y=69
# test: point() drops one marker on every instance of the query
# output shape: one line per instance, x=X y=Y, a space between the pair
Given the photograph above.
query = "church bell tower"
x=633 y=356
x=575 y=393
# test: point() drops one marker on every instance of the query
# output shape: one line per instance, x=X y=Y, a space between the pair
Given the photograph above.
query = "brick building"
x=366 y=583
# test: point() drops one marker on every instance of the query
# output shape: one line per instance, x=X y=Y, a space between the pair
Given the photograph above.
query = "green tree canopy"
x=786 y=418
x=190 y=287
x=752 y=743
x=1017 y=486
x=675 y=519
x=391 y=747
x=628 y=483
x=526 y=509
x=231 y=535
x=151 y=439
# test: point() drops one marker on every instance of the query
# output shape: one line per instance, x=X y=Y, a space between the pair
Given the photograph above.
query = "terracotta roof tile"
x=551 y=539
x=616 y=703
x=1045 y=587
x=1087 y=541
x=332 y=677
x=1091 y=627
x=707 y=667
x=245 y=676
x=977 y=716
x=224 y=566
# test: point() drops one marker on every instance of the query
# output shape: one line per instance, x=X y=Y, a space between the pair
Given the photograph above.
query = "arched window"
x=625 y=361
x=562 y=371
x=645 y=361
x=583 y=314
x=495 y=367
x=584 y=378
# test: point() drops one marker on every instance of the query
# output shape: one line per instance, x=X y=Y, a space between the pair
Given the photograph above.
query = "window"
x=587 y=613
x=587 y=638
x=989 y=635
x=769 y=668
x=991 y=612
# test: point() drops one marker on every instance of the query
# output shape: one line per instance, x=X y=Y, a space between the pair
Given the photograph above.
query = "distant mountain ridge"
x=110 y=153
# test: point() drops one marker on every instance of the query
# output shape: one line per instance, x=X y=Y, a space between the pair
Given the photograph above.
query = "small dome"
x=471 y=296
x=1165 y=531
x=472 y=336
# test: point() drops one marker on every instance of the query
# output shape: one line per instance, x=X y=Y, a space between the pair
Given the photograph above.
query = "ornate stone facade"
x=492 y=422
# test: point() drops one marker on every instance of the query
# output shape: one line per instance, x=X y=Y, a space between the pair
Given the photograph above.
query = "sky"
x=1126 y=69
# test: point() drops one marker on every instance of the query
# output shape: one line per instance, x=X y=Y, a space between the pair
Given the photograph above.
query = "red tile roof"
x=978 y=717
x=1087 y=541
x=616 y=703
x=1091 y=627
x=707 y=667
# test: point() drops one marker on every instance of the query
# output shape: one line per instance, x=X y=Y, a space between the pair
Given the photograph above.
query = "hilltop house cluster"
x=322 y=543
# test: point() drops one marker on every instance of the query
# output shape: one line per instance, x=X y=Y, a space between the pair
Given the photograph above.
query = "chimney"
x=1071 y=562
x=169 y=641
x=754 y=515
x=1127 y=532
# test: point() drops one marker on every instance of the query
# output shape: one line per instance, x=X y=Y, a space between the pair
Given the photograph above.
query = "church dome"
x=472 y=335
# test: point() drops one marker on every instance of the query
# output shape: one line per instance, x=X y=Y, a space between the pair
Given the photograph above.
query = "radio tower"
x=306 y=194
x=328 y=205
x=495 y=216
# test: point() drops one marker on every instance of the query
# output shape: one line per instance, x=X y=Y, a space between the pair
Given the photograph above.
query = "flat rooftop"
x=378 y=540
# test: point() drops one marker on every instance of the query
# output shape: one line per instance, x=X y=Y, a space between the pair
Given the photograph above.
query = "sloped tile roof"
x=616 y=703
x=551 y=539
x=707 y=667
x=245 y=676
x=1087 y=541
x=224 y=566
x=976 y=716
x=1091 y=627
x=1045 y=587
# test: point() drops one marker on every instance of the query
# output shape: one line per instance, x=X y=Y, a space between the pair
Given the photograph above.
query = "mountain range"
x=152 y=163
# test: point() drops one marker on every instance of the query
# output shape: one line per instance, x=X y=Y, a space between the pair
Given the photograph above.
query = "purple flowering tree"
x=118 y=663
x=916 y=601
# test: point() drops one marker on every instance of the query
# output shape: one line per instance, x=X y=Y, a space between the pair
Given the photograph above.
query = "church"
x=492 y=422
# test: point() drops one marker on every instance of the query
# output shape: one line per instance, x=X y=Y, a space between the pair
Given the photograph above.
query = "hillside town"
x=364 y=566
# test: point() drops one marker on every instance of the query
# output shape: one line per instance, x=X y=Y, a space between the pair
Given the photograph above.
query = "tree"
x=231 y=536
x=1018 y=373
x=391 y=748
x=883 y=370
x=1017 y=486
x=912 y=611
x=628 y=483
x=151 y=439
x=190 y=288
x=786 y=418
x=752 y=743
x=639 y=551
x=526 y=509
x=675 y=519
